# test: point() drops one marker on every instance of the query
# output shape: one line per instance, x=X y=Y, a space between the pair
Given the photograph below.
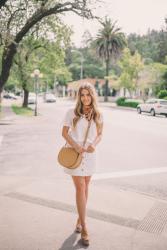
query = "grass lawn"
x=22 y=111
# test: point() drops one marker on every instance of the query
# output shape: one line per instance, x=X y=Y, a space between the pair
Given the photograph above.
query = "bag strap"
x=87 y=132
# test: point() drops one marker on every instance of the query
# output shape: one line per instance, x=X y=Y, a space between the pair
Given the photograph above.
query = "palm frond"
x=110 y=40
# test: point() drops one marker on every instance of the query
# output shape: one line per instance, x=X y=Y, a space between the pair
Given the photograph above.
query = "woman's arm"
x=69 y=139
x=98 y=138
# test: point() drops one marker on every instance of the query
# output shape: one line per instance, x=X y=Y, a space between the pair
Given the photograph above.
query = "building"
x=72 y=87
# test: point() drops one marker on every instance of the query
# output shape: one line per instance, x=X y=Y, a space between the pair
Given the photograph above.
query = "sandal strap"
x=84 y=234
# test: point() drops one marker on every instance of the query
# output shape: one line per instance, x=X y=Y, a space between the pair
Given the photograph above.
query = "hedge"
x=126 y=103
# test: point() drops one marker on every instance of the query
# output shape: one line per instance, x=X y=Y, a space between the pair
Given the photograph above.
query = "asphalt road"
x=132 y=154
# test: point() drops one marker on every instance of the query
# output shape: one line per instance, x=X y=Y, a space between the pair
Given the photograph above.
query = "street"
x=131 y=155
x=128 y=193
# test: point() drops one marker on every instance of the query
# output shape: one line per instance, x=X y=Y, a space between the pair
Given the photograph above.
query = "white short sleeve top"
x=78 y=133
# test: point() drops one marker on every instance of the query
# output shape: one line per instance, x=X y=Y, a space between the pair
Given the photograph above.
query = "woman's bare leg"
x=87 y=181
x=80 y=186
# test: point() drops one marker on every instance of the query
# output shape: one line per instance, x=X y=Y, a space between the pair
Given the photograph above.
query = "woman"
x=74 y=129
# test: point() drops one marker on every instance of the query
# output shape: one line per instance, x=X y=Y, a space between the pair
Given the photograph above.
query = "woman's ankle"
x=84 y=227
x=78 y=221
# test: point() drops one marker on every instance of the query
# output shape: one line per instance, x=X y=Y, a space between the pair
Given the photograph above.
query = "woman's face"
x=85 y=97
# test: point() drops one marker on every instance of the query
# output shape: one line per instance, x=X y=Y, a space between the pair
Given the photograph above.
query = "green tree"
x=130 y=66
x=35 y=48
x=24 y=64
x=110 y=42
x=164 y=82
x=152 y=46
x=92 y=66
x=152 y=77
x=17 y=18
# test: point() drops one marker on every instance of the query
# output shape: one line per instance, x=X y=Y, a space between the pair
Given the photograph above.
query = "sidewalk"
x=114 y=106
x=7 y=114
x=110 y=105
x=40 y=214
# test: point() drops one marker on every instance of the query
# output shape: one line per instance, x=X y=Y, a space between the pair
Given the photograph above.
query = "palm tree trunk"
x=106 y=81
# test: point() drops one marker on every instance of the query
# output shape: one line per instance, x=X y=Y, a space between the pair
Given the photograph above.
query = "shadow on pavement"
x=1 y=123
x=68 y=244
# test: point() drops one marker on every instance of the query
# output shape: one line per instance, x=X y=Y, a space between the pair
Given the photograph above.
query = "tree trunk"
x=25 y=100
x=130 y=93
x=106 y=81
x=0 y=97
x=2 y=3
x=124 y=91
x=7 y=59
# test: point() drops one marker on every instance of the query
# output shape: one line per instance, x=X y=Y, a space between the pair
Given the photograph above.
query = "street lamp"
x=36 y=75
x=82 y=59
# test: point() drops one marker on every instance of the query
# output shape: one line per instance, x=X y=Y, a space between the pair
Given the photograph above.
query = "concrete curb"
x=113 y=106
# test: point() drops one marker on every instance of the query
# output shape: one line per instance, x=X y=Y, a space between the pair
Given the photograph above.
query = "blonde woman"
x=74 y=129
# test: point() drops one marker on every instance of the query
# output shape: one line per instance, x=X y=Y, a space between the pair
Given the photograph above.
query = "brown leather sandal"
x=85 y=237
x=78 y=228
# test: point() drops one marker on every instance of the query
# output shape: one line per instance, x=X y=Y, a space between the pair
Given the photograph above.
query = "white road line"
x=1 y=139
x=127 y=173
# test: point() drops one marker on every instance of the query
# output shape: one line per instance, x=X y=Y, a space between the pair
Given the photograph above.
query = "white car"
x=50 y=98
x=31 y=98
x=154 y=107
x=10 y=96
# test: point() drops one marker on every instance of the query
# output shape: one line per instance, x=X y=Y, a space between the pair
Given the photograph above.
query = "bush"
x=162 y=94
x=131 y=104
x=120 y=101
x=127 y=103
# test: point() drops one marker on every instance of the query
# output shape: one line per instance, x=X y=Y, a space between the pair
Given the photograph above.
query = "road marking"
x=62 y=206
x=1 y=139
x=137 y=172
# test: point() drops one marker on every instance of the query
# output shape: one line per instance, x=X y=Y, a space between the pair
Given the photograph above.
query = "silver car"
x=31 y=98
x=50 y=98
x=154 y=107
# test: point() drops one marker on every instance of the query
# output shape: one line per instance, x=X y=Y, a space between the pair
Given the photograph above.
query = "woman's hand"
x=79 y=149
x=90 y=149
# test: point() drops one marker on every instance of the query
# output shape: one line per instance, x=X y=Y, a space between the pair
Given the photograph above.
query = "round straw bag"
x=69 y=158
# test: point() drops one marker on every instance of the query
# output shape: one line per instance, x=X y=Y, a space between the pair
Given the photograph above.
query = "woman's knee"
x=87 y=181
x=79 y=184
x=81 y=187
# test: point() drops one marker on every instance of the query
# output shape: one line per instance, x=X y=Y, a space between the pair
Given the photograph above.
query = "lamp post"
x=82 y=59
x=36 y=75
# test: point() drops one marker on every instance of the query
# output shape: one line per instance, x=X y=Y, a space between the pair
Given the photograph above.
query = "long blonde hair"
x=79 y=105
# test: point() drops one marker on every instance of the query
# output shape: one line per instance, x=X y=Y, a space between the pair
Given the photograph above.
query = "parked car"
x=50 y=98
x=31 y=98
x=154 y=107
x=10 y=96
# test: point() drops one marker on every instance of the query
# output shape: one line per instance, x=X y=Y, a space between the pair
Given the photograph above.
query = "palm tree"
x=110 y=42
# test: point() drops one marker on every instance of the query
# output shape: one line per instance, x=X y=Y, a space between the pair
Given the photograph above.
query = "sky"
x=133 y=16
